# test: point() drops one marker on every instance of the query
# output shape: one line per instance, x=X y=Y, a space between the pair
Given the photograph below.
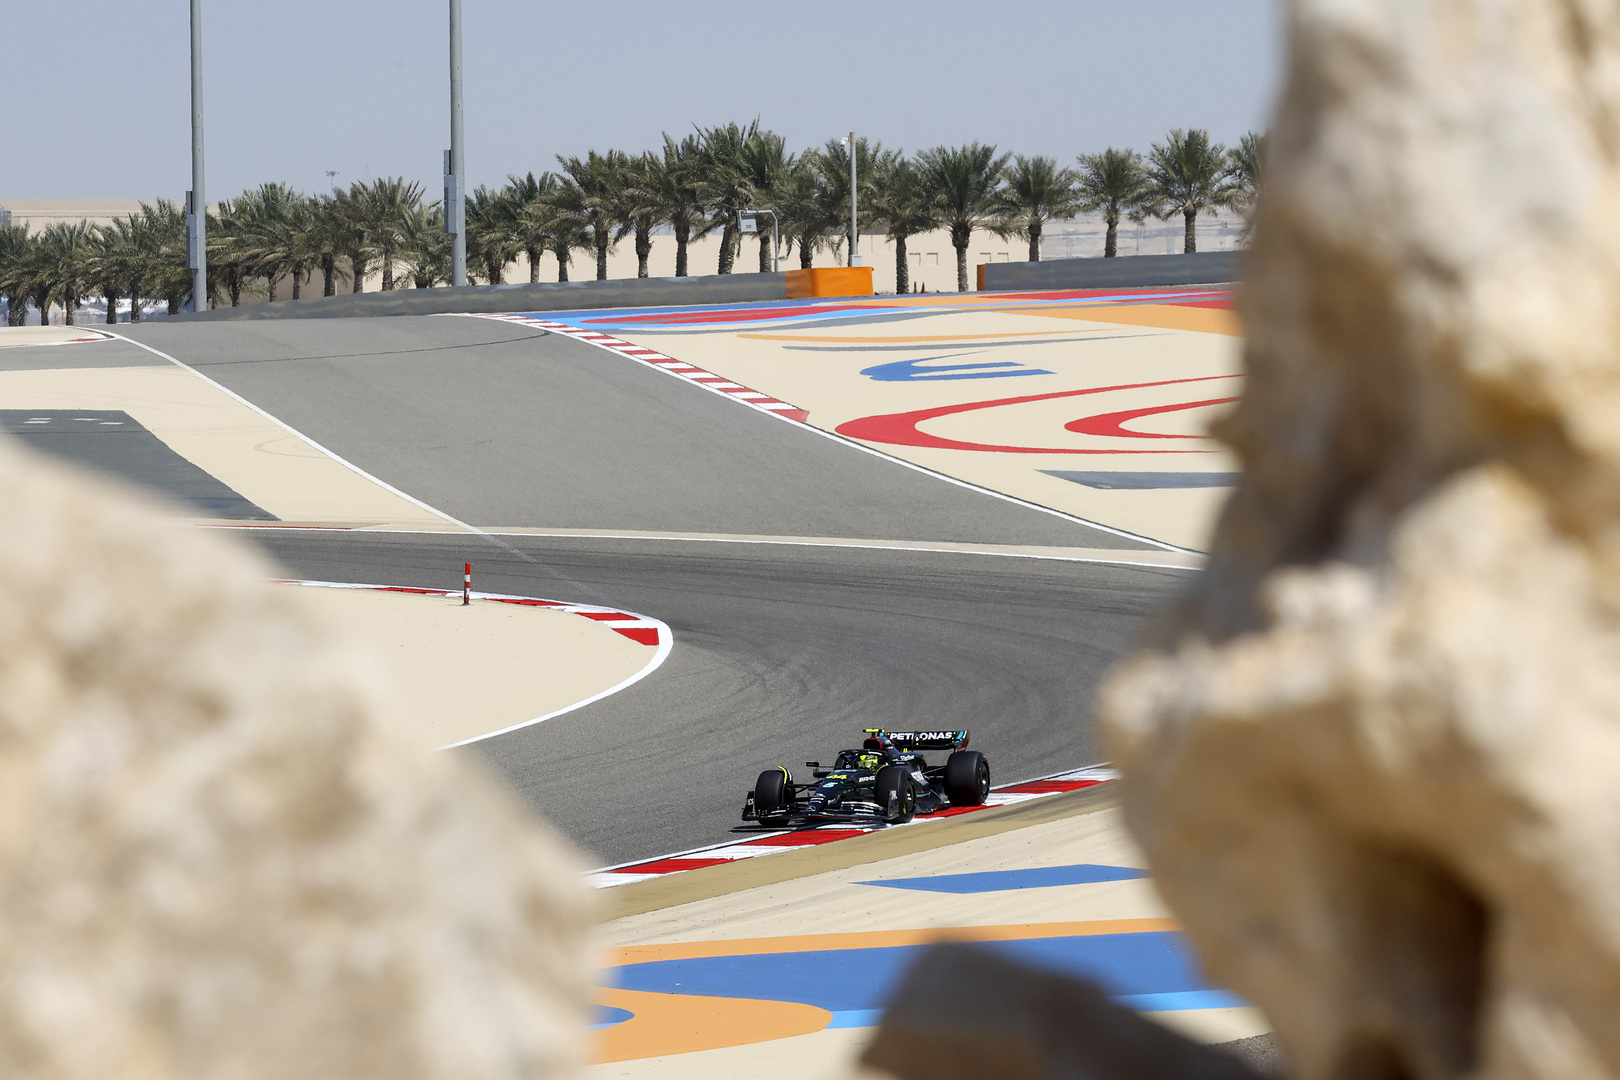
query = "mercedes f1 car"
x=887 y=780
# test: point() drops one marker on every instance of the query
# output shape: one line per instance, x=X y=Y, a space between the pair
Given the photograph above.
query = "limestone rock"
x=965 y=1013
x=1375 y=756
x=215 y=861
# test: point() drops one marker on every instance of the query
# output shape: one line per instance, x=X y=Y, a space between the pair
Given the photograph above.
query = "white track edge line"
x=719 y=540
x=784 y=832
x=835 y=437
x=351 y=466
x=666 y=643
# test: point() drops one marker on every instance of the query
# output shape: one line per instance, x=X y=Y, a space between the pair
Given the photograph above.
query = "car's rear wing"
x=924 y=740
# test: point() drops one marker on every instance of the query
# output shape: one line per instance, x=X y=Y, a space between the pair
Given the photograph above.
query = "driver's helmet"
x=871 y=755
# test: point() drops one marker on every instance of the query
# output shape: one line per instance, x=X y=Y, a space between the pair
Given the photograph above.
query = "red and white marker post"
x=466 y=585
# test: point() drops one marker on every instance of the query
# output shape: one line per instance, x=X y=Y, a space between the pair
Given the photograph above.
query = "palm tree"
x=163 y=248
x=832 y=166
x=16 y=252
x=426 y=251
x=900 y=201
x=109 y=263
x=803 y=207
x=963 y=182
x=643 y=190
x=1113 y=182
x=679 y=195
x=62 y=271
x=328 y=238
x=1245 y=164
x=766 y=165
x=1037 y=191
x=353 y=237
x=590 y=197
x=725 y=181
x=491 y=238
x=1187 y=174
x=532 y=220
x=384 y=207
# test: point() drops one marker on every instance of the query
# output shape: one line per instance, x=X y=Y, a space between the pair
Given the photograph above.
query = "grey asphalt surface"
x=505 y=425
x=782 y=655
x=113 y=442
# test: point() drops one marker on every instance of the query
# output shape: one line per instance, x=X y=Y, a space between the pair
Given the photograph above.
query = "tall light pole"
x=196 y=200
x=455 y=216
x=854 y=227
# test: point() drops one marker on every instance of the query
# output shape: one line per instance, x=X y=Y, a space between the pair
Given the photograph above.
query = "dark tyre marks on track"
x=501 y=425
x=781 y=654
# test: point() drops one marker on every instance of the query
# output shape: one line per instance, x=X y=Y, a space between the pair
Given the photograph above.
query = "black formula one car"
x=886 y=780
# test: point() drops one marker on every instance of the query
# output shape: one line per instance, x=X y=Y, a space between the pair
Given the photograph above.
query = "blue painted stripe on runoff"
x=608 y=1015
x=1043 y=877
x=1155 y=966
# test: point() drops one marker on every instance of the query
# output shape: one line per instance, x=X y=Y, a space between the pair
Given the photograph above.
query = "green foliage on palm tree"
x=62 y=269
x=162 y=240
x=727 y=183
x=766 y=165
x=902 y=204
x=642 y=196
x=832 y=166
x=1187 y=174
x=532 y=222
x=964 y=183
x=591 y=197
x=16 y=254
x=1245 y=165
x=1037 y=191
x=491 y=237
x=803 y=208
x=1113 y=183
x=384 y=207
x=678 y=192
x=110 y=264
x=426 y=251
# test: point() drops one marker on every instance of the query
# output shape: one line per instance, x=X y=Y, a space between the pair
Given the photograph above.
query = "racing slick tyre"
x=771 y=792
x=967 y=778
x=892 y=789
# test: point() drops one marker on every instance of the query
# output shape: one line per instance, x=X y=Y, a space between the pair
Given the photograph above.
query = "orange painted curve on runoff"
x=685 y=1023
x=1204 y=320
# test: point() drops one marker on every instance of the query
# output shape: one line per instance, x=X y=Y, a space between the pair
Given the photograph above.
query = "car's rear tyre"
x=892 y=789
x=771 y=792
x=967 y=778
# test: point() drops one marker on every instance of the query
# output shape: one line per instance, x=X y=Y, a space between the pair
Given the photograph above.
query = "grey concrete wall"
x=550 y=296
x=1129 y=272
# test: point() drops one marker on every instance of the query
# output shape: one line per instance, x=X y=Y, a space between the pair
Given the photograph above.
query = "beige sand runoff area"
x=253 y=455
x=461 y=672
x=848 y=909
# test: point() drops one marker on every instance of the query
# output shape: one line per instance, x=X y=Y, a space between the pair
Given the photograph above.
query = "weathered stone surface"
x=214 y=862
x=965 y=1013
x=1374 y=757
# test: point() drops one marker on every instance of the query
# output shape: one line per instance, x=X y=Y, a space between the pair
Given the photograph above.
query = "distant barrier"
x=497 y=299
x=829 y=281
x=1128 y=272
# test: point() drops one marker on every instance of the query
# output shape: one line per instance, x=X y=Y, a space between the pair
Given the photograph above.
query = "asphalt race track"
x=504 y=425
x=782 y=655
x=782 y=652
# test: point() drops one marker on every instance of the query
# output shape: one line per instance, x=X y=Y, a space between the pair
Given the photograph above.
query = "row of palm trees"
x=704 y=183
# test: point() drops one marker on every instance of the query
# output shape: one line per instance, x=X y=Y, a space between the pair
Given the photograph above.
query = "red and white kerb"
x=668 y=364
x=771 y=843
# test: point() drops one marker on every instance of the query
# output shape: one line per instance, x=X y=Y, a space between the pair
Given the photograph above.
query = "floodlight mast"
x=196 y=200
x=854 y=227
x=455 y=216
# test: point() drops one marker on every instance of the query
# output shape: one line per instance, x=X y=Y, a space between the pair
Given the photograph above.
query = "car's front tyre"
x=773 y=793
x=892 y=791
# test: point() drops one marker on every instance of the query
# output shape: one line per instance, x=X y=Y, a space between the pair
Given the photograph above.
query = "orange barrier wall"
x=829 y=281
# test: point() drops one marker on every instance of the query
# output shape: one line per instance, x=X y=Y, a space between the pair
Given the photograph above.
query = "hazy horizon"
x=361 y=88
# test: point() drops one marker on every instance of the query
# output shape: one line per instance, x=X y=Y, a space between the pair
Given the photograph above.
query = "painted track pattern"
x=792 y=840
x=668 y=364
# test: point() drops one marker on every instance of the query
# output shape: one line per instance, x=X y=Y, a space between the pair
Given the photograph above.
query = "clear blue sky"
x=99 y=88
